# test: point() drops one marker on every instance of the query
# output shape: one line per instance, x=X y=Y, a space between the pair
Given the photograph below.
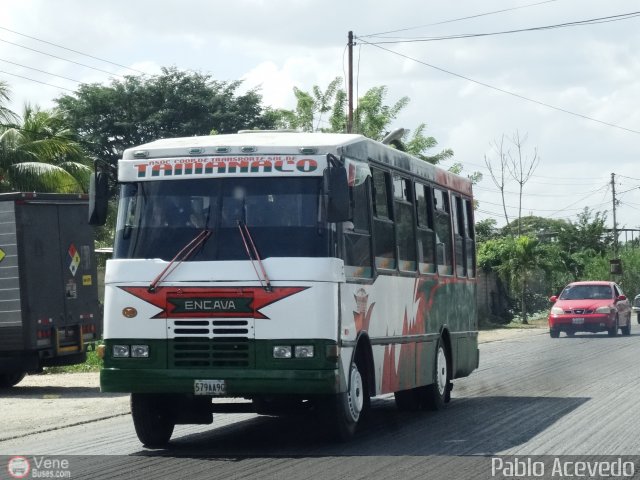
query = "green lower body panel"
x=238 y=382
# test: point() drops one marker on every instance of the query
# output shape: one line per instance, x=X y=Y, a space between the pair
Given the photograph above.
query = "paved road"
x=532 y=395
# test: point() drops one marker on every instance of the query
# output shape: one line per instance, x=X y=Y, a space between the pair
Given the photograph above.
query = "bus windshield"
x=157 y=219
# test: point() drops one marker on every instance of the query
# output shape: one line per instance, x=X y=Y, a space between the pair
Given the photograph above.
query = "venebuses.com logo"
x=38 y=467
x=18 y=467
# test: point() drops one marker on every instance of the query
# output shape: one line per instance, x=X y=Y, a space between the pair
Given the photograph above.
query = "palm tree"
x=6 y=115
x=40 y=154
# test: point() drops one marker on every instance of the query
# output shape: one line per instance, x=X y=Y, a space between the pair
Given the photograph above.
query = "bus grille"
x=211 y=343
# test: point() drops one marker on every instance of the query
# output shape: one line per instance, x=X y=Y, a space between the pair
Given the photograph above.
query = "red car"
x=590 y=307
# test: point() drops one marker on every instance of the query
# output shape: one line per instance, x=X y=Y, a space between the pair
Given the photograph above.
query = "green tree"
x=140 y=109
x=40 y=154
x=520 y=262
x=373 y=118
x=6 y=115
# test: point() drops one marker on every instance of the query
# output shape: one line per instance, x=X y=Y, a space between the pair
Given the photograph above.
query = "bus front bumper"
x=238 y=382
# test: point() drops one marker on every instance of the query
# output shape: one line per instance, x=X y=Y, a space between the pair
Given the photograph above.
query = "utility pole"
x=350 y=84
x=615 y=224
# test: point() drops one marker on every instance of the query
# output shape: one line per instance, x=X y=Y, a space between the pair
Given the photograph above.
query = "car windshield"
x=157 y=219
x=582 y=292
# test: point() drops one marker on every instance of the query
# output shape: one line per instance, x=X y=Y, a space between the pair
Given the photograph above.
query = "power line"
x=38 y=81
x=461 y=18
x=578 y=23
x=522 y=97
x=72 y=50
x=61 y=58
x=38 y=70
x=554 y=195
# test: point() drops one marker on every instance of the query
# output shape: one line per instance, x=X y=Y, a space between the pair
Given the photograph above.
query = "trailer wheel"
x=8 y=380
x=152 y=419
x=438 y=394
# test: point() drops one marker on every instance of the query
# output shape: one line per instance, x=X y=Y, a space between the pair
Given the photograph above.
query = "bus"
x=294 y=271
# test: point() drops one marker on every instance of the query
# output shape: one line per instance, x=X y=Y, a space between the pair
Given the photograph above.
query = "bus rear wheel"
x=8 y=380
x=438 y=394
x=152 y=419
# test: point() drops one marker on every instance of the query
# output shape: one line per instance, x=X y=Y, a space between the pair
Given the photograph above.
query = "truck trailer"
x=49 y=309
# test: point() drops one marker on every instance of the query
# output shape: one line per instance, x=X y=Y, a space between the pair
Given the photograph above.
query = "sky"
x=570 y=93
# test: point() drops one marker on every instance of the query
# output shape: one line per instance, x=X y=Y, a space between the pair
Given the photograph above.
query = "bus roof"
x=274 y=142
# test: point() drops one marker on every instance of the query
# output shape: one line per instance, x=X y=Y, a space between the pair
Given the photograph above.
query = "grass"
x=536 y=320
x=92 y=364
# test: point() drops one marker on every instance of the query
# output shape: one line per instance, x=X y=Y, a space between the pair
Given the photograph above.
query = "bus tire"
x=151 y=419
x=346 y=408
x=438 y=393
x=8 y=380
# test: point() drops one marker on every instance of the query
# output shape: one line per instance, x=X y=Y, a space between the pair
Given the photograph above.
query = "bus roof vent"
x=141 y=154
x=247 y=149
x=308 y=150
x=196 y=151
x=223 y=149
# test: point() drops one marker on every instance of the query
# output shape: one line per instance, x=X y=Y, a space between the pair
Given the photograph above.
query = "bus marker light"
x=332 y=352
x=140 y=351
x=304 y=351
x=100 y=351
x=129 y=312
x=282 y=351
x=120 y=351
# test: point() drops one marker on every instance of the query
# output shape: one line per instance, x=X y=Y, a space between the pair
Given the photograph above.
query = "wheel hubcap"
x=441 y=375
x=355 y=395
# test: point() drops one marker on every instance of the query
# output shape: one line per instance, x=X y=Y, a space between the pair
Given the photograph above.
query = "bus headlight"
x=140 y=351
x=282 y=351
x=120 y=351
x=304 y=351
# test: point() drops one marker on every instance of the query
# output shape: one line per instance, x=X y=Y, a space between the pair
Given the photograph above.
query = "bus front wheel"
x=346 y=408
x=438 y=394
x=152 y=419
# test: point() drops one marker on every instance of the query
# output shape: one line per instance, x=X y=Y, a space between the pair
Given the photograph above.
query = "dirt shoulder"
x=49 y=402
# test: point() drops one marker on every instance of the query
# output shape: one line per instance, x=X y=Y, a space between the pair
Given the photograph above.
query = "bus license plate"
x=209 y=387
x=578 y=321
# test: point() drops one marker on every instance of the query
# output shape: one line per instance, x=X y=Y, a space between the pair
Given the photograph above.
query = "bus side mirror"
x=98 y=198
x=338 y=202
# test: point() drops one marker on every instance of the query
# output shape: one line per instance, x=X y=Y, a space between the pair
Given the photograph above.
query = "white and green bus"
x=294 y=270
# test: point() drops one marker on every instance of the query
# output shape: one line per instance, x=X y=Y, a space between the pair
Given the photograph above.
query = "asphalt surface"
x=532 y=396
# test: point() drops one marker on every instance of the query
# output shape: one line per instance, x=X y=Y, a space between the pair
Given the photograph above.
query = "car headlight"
x=304 y=351
x=120 y=351
x=282 y=351
x=140 y=351
x=557 y=311
x=603 y=310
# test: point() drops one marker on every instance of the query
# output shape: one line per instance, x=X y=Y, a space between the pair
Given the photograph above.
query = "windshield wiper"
x=254 y=256
x=180 y=257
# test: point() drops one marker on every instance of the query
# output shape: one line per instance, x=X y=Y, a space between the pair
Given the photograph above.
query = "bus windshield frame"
x=285 y=215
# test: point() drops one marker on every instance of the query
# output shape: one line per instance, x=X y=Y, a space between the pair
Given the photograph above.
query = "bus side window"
x=384 y=244
x=357 y=235
x=426 y=237
x=459 y=237
x=470 y=239
x=404 y=219
x=444 y=243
